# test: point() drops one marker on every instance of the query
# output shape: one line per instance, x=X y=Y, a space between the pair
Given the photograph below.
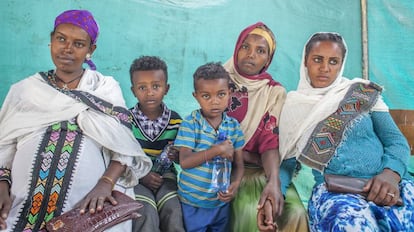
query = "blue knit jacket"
x=370 y=144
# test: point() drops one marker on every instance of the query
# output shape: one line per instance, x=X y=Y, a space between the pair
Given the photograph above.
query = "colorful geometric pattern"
x=103 y=106
x=334 y=123
x=51 y=176
x=153 y=148
x=94 y=102
x=322 y=143
x=327 y=135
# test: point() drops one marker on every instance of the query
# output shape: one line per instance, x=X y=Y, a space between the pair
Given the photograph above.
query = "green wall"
x=188 y=33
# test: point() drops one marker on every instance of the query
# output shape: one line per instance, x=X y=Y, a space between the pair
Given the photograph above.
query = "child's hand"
x=226 y=150
x=228 y=195
x=173 y=154
x=152 y=181
x=265 y=218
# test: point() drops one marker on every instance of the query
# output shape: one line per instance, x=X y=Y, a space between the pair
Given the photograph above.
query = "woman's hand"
x=94 y=200
x=152 y=181
x=265 y=221
x=383 y=188
x=272 y=193
x=5 y=203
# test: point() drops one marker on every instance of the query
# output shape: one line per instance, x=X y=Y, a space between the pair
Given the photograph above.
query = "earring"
x=88 y=56
x=48 y=45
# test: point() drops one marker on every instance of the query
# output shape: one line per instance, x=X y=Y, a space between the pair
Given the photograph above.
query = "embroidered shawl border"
x=328 y=133
x=95 y=102
x=51 y=176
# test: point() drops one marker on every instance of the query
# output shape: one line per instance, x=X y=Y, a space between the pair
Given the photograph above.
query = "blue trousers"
x=206 y=219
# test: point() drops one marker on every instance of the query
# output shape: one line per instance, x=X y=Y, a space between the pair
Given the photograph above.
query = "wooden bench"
x=405 y=121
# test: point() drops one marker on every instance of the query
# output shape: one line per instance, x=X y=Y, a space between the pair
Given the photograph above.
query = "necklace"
x=56 y=79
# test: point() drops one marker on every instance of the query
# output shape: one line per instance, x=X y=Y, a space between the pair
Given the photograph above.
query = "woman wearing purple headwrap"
x=65 y=135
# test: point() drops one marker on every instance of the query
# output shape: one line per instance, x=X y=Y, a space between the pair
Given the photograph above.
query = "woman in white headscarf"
x=343 y=127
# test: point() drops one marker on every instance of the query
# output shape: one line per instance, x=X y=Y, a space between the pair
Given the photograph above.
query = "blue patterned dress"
x=351 y=212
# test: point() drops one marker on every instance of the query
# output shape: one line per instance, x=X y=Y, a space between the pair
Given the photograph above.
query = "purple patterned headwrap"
x=84 y=20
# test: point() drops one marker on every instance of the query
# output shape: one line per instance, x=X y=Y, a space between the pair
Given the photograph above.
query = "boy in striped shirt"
x=206 y=209
x=155 y=126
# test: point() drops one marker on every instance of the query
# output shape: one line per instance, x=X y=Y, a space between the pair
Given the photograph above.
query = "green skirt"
x=244 y=205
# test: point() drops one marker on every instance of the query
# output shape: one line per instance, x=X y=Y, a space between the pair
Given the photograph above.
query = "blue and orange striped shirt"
x=196 y=134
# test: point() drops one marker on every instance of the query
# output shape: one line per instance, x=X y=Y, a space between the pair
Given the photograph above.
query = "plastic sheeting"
x=189 y=33
x=391 y=50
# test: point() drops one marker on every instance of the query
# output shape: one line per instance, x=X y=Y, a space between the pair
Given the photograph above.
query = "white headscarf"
x=307 y=106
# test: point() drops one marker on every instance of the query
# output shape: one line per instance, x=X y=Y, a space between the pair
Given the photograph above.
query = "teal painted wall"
x=188 y=33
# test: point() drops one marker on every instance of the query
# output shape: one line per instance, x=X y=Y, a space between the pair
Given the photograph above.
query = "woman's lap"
x=350 y=212
x=244 y=206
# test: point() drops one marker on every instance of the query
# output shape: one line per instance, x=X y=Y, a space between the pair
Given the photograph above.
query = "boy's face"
x=213 y=96
x=149 y=87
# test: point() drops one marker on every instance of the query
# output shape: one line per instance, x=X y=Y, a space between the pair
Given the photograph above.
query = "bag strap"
x=96 y=103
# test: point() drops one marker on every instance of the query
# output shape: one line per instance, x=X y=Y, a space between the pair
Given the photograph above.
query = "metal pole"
x=364 y=35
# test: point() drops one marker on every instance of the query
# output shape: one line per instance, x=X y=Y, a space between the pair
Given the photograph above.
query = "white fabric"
x=307 y=106
x=89 y=168
x=262 y=98
x=33 y=98
x=32 y=105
